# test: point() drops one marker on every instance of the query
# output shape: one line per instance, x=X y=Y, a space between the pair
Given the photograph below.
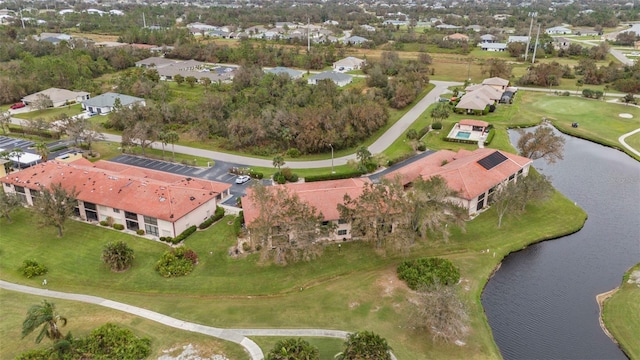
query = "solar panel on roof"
x=492 y=160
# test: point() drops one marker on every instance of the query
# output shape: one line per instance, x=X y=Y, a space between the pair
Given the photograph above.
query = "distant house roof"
x=495 y=81
x=487 y=91
x=109 y=99
x=487 y=37
x=349 y=61
x=493 y=46
x=356 y=40
x=56 y=95
x=142 y=191
x=322 y=195
x=558 y=30
x=473 y=101
x=294 y=74
x=156 y=61
x=514 y=38
x=464 y=170
x=472 y=122
x=457 y=37
x=331 y=75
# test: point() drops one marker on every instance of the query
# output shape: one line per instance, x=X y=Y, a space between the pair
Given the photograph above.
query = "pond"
x=541 y=302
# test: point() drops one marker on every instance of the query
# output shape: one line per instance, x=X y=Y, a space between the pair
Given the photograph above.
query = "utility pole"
x=144 y=21
x=533 y=59
x=526 y=51
x=308 y=36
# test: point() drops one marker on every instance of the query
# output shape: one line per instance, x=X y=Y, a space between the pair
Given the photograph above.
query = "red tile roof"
x=472 y=122
x=148 y=192
x=323 y=195
x=462 y=171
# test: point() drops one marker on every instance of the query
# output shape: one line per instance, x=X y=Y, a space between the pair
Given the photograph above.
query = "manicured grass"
x=354 y=289
x=51 y=113
x=621 y=315
x=82 y=318
x=634 y=141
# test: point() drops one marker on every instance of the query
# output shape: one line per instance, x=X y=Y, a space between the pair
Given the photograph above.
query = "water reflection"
x=541 y=303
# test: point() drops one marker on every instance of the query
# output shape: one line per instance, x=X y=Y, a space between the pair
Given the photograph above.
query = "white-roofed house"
x=349 y=63
x=558 y=30
x=292 y=73
x=59 y=97
x=522 y=39
x=339 y=79
x=104 y=104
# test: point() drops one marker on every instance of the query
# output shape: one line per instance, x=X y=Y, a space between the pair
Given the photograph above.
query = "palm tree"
x=162 y=137
x=42 y=150
x=172 y=138
x=47 y=316
x=278 y=161
x=297 y=349
x=440 y=112
x=118 y=255
x=365 y=345
x=17 y=152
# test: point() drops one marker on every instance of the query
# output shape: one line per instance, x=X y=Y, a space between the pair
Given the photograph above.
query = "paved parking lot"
x=9 y=144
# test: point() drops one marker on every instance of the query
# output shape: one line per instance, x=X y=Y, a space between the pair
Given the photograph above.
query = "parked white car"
x=242 y=179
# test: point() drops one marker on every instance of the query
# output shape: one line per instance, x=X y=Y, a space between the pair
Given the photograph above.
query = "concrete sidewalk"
x=237 y=336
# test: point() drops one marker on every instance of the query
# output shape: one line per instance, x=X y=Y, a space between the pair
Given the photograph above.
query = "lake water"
x=541 y=302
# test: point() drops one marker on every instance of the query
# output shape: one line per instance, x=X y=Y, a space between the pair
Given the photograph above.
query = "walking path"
x=238 y=336
x=624 y=143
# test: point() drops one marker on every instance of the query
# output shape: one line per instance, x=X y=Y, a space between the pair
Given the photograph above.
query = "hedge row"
x=185 y=234
x=24 y=130
x=219 y=214
x=336 y=176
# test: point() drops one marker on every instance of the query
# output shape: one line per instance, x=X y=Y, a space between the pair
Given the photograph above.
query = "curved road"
x=238 y=336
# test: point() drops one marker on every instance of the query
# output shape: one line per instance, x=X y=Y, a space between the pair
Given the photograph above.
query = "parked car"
x=17 y=105
x=242 y=179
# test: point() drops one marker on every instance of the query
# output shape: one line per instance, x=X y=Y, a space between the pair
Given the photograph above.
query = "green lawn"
x=355 y=289
x=51 y=113
x=621 y=315
x=82 y=318
x=634 y=141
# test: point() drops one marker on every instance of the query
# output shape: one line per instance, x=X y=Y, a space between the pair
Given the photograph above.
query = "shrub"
x=279 y=178
x=104 y=223
x=293 y=178
x=588 y=93
x=427 y=271
x=219 y=214
x=176 y=262
x=293 y=152
x=118 y=226
x=422 y=146
x=31 y=268
x=246 y=247
x=412 y=134
x=140 y=232
x=436 y=125
x=237 y=223
x=336 y=176
x=118 y=255
x=566 y=93
x=256 y=174
x=423 y=132
x=492 y=133
x=185 y=234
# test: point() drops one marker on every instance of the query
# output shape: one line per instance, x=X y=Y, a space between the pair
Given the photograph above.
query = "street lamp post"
x=333 y=172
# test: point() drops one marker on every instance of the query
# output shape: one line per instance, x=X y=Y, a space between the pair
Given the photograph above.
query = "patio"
x=469 y=130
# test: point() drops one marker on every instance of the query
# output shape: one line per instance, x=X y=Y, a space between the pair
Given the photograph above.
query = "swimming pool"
x=463 y=135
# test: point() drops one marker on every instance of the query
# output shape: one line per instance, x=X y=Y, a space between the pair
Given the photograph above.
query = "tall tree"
x=286 y=229
x=172 y=138
x=293 y=349
x=44 y=315
x=440 y=112
x=497 y=68
x=541 y=144
x=440 y=311
x=8 y=203
x=278 y=161
x=5 y=120
x=532 y=188
x=54 y=206
x=365 y=345
x=42 y=150
x=505 y=198
x=42 y=102
x=17 y=153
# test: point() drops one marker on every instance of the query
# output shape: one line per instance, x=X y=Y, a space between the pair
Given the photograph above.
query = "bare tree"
x=541 y=144
x=8 y=203
x=55 y=205
x=505 y=198
x=440 y=311
x=532 y=188
x=41 y=102
x=5 y=120
x=38 y=125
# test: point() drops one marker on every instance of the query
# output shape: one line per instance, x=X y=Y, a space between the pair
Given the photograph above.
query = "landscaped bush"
x=422 y=146
x=104 y=223
x=412 y=134
x=255 y=174
x=219 y=214
x=140 y=232
x=436 y=125
x=336 y=176
x=427 y=271
x=31 y=268
x=118 y=226
x=185 y=234
x=237 y=223
x=246 y=247
x=43 y=134
x=492 y=133
x=422 y=132
x=176 y=262
x=279 y=178
x=118 y=255
x=293 y=152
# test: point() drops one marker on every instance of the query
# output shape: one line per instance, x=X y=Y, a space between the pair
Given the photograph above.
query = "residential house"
x=558 y=30
x=493 y=46
x=474 y=102
x=59 y=97
x=456 y=37
x=161 y=204
x=560 y=42
x=104 y=104
x=322 y=195
x=339 y=79
x=497 y=83
x=355 y=40
x=488 y=39
x=293 y=74
x=348 y=64
x=156 y=62
x=474 y=28
x=448 y=27
x=475 y=175
x=368 y=28
x=522 y=39
x=486 y=90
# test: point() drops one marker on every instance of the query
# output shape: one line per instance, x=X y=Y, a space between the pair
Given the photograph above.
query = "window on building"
x=132 y=221
x=117 y=211
x=512 y=177
x=20 y=191
x=325 y=223
x=151 y=226
x=342 y=232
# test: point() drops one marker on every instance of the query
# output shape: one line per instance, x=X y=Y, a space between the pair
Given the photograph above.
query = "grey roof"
x=108 y=100
x=331 y=75
x=497 y=46
x=156 y=61
x=355 y=40
x=56 y=95
x=294 y=74
x=514 y=38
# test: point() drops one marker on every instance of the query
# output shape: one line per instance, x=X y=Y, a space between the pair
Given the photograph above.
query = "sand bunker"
x=625 y=115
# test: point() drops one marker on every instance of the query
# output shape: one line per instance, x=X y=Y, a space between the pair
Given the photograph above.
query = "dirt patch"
x=190 y=352
x=634 y=277
x=389 y=283
x=625 y=116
